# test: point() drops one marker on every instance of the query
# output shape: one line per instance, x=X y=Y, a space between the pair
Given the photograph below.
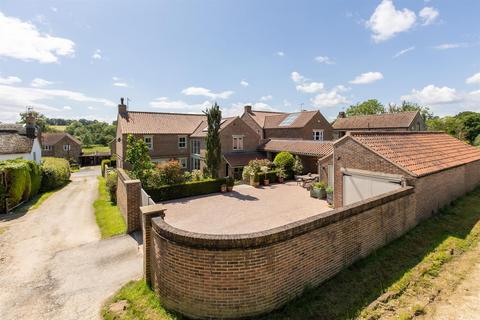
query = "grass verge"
x=396 y=281
x=108 y=216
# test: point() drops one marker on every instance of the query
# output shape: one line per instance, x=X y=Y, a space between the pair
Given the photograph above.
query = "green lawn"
x=394 y=280
x=108 y=216
x=59 y=128
x=95 y=148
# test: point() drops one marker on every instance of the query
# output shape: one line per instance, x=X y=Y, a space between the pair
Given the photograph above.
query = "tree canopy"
x=372 y=106
x=465 y=125
x=411 y=106
x=213 y=155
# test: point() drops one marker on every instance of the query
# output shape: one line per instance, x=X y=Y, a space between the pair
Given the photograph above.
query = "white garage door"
x=360 y=187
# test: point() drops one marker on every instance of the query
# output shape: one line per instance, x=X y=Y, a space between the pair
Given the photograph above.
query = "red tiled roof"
x=377 y=121
x=259 y=116
x=240 y=159
x=272 y=122
x=419 y=153
x=301 y=147
x=50 y=139
x=201 y=131
x=159 y=123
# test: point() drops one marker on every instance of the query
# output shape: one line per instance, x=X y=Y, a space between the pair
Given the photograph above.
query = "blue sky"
x=75 y=59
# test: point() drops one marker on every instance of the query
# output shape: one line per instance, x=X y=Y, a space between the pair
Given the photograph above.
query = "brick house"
x=303 y=125
x=366 y=164
x=238 y=141
x=166 y=134
x=61 y=145
x=402 y=121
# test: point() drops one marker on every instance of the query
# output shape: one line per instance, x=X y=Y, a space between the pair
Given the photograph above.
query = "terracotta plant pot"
x=266 y=182
x=254 y=183
x=229 y=188
x=223 y=188
x=280 y=179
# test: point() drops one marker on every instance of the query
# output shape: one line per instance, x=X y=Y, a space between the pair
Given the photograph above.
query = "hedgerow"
x=55 y=173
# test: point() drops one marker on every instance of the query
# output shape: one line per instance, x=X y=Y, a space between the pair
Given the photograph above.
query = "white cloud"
x=280 y=53
x=432 y=94
x=244 y=83
x=310 y=87
x=402 y=52
x=97 y=55
x=10 y=80
x=67 y=108
x=120 y=84
x=331 y=98
x=266 y=98
x=14 y=99
x=54 y=9
x=428 y=15
x=446 y=46
x=324 y=59
x=367 y=77
x=386 y=21
x=40 y=83
x=286 y=103
x=22 y=40
x=297 y=77
x=199 y=91
x=475 y=79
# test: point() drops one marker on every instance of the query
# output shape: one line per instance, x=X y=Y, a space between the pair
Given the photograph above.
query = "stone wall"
x=129 y=200
x=231 y=276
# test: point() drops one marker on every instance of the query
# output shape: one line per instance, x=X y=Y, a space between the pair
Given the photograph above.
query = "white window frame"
x=66 y=147
x=195 y=146
x=183 y=163
x=149 y=144
x=317 y=135
x=238 y=146
x=160 y=160
x=195 y=161
x=180 y=143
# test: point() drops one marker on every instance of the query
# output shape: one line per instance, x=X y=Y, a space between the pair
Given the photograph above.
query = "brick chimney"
x=30 y=126
x=341 y=114
x=248 y=109
x=122 y=108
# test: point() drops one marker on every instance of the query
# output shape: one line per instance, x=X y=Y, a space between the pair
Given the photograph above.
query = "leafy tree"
x=372 y=106
x=465 y=125
x=284 y=160
x=138 y=157
x=41 y=120
x=297 y=165
x=213 y=155
x=411 y=106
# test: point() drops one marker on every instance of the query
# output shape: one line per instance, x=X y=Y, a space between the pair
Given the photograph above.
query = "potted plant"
x=264 y=170
x=281 y=175
x=318 y=190
x=329 y=192
x=223 y=188
x=230 y=183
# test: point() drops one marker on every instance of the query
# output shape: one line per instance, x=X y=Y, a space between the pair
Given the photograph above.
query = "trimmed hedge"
x=55 y=173
x=20 y=181
x=187 y=189
x=271 y=175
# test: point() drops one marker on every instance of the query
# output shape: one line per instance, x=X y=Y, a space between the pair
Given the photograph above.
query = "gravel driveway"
x=53 y=264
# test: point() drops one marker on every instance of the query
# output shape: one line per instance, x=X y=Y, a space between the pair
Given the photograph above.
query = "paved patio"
x=244 y=210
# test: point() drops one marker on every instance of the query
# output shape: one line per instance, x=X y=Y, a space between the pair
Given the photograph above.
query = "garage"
x=359 y=185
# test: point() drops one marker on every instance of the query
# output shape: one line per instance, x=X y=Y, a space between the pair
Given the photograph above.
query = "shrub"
x=55 y=173
x=297 y=165
x=230 y=181
x=329 y=189
x=103 y=164
x=319 y=185
x=284 y=160
x=170 y=173
x=35 y=177
x=111 y=184
x=197 y=175
x=270 y=175
x=187 y=189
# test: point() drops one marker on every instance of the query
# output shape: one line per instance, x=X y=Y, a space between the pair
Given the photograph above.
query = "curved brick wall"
x=231 y=276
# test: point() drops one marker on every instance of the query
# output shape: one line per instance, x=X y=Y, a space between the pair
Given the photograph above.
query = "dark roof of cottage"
x=377 y=121
x=300 y=119
x=13 y=139
x=300 y=147
x=259 y=116
x=240 y=159
x=137 y=122
x=53 y=138
x=201 y=130
x=418 y=153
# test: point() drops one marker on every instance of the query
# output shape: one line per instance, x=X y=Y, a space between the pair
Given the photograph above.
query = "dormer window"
x=318 y=135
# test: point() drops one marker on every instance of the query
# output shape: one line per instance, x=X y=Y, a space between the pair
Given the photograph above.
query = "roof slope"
x=419 y=153
x=301 y=147
x=13 y=139
x=376 y=121
x=240 y=159
x=52 y=138
x=159 y=123
x=274 y=121
x=259 y=116
x=201 y=130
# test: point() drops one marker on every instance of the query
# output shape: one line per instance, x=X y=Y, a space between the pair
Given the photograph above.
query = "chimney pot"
x=30 y=126
x=122 y=108
x=342 y=114
x=248 y=109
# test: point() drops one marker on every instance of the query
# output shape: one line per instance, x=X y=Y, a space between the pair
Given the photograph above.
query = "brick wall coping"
x=125 y=177
x=275 y=235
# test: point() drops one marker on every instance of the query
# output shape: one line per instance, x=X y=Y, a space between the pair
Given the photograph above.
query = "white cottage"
x=20 y=141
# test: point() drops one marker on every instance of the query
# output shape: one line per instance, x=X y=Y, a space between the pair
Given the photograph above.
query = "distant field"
x=95 y=148
x=59 y=128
